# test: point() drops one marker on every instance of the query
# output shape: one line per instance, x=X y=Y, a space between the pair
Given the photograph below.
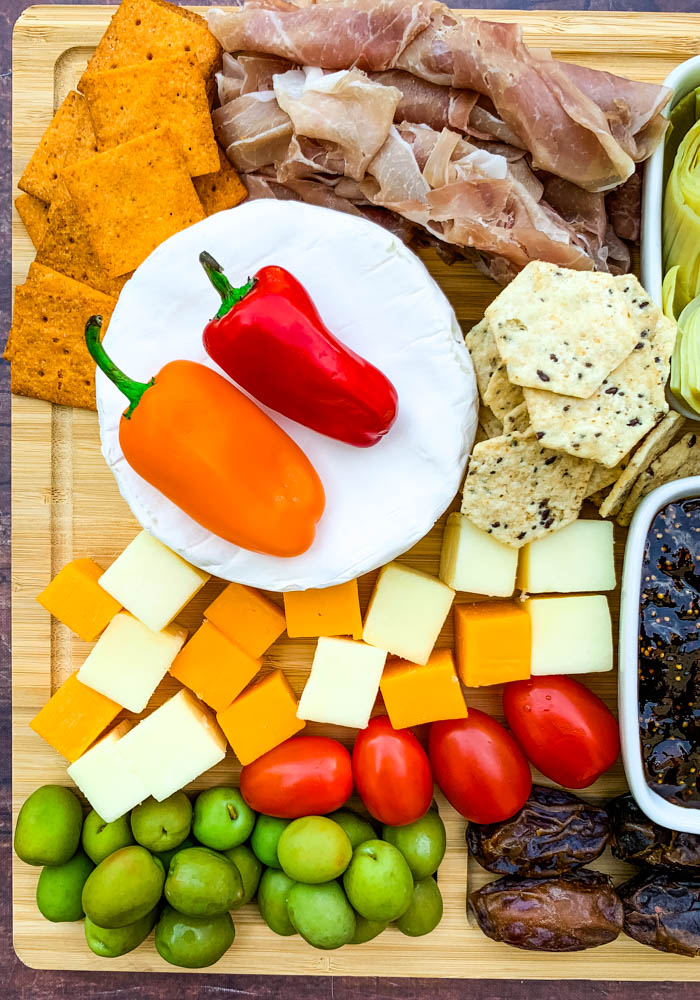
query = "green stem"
x=132 y=390
x=230 y=296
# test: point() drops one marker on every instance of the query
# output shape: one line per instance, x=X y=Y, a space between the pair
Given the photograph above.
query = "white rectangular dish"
x=658 y=809
x=681 y=80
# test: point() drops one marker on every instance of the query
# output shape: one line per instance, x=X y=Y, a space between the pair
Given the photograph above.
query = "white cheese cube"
x=173 y=745
x=151 y=581
x=474 y=561
x=407 y=610
x=128 y=661
x=578 y=558
x=570 y=635
x=105 y=779
x=343 y=684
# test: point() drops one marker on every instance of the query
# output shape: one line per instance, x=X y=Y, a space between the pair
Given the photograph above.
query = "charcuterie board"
x=66 y=504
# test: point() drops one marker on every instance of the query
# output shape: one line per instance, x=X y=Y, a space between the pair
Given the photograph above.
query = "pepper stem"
x=132 y=390
x=229 y=295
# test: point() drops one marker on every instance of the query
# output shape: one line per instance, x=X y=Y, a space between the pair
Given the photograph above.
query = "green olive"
x=123 y=887
x=60 y=888
x=111 y=942
x=48 y=826
x=193 y=942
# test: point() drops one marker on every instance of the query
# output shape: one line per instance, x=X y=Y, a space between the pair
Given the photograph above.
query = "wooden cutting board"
x=65 y=504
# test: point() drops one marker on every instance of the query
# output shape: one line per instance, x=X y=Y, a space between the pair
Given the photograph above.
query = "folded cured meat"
x=579 y=124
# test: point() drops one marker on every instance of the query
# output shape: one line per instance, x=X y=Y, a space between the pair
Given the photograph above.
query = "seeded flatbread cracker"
x=66 y=247
x=628 y=404
x=222 y=189
x=561 y=330
x=682 y=459
x=501 y=395
x=152 y=29
x=481 y=345
x=517 y=419
x=149 y=96
x=653 y=445
x=49 y=359
x=34 y=214
x=517 y=491
x=133 y=197
x=491 y=425
x=601 y=478
x=69 y=138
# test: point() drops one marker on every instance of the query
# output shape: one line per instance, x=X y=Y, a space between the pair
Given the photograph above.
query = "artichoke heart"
x=681 y=228
x=685 y=363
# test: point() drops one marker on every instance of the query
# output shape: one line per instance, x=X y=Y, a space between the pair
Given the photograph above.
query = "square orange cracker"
x=70 y=137
x=154 y=29
x=133 y=197
x=148 y=96
x=221 y=189
x=34 y=213
x=66 y=247
x=47 y=349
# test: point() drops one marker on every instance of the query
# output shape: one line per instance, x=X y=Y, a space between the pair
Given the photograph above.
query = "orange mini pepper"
x=207 y=447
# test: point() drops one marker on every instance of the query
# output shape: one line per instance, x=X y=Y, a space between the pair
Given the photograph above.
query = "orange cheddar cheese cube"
x=212 y=666
x=73 y=718
x=247 y=618
x=261 y=718
x=75 y=597
x=415 y=693
x=324 y=613
x=492 y=642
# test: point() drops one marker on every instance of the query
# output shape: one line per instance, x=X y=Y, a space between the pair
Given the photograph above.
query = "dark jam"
x=669 y=652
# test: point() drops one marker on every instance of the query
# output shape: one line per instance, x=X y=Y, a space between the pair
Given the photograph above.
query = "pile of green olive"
x=182 y=868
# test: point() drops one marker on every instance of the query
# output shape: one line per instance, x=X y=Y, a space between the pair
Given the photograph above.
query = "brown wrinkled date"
x=639 y=841
x=568 y=912
x=554 y=832
x=662 y=910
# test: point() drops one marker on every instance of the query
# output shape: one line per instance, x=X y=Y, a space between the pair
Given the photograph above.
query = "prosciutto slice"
x=253 y=130
x=579 y=124
x=346 y=110
x=337 y=34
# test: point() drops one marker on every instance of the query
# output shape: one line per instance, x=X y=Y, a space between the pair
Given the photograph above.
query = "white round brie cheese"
x=375 y=296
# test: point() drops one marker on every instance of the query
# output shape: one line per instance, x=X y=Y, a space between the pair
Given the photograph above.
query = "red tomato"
x=568 y=733
x=392 y=773
x=479 y=767
x=304 y=776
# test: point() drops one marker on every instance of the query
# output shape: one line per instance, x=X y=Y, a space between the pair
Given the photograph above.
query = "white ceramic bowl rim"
x=658 y=809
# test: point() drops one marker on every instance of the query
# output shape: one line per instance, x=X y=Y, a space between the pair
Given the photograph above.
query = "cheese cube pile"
x=129 y=661
x=75 y=597
x=104 y=778
x=570 y=635
x=406 y=612
x=343 y=684
x=173 y=745
x=152 y=582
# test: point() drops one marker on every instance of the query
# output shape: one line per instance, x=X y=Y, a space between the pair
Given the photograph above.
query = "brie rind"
x=378 y=298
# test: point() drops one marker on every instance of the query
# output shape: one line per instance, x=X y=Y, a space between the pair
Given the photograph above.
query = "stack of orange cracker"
x=128 y=160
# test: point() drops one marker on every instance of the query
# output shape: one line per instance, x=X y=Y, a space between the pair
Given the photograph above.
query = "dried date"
x=568 y=912
x=662 y=910
x=638 y=841
x=554 y=832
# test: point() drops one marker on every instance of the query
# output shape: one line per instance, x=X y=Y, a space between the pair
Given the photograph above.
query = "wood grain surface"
x=63 y=493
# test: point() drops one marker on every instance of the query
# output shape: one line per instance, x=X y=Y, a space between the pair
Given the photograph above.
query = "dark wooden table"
x=20 y=983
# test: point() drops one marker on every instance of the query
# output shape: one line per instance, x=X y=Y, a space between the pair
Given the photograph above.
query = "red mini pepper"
x=269 y=337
